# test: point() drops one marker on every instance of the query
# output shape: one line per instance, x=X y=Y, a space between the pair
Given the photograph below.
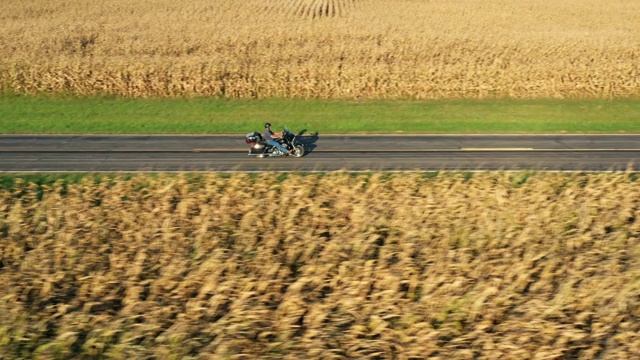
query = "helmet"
x=266 y=125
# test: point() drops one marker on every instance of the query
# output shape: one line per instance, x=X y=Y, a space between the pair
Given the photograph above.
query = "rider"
x=271 y=137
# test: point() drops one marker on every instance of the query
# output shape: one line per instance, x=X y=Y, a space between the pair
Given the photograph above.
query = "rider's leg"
x=277 y=145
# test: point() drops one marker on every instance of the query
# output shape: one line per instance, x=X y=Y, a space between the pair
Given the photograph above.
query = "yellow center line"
x=496 y=149
x=438 y=150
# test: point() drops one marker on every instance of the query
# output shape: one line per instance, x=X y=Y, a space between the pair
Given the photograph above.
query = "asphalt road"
x=91 y=153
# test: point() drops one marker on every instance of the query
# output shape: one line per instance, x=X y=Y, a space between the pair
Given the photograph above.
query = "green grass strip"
x=62 y=115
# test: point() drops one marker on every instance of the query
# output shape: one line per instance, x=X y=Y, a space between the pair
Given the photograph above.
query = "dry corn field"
x=312 y=8
x=331 y=266
x=327 y=49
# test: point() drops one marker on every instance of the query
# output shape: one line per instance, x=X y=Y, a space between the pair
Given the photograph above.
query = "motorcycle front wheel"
x=298 y=151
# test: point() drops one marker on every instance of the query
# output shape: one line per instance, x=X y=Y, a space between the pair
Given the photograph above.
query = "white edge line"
x=318 y=171
x=325 y=134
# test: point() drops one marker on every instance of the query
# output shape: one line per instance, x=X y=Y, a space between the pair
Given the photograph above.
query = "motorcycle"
x=258 y=146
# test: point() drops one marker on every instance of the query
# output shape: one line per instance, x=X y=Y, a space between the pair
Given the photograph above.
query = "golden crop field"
x=327 y=49
x=331 y=266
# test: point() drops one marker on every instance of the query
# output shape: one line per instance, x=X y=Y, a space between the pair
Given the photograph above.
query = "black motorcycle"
x=259 y=147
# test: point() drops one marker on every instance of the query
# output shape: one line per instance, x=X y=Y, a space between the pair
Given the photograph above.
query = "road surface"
x=132 y=153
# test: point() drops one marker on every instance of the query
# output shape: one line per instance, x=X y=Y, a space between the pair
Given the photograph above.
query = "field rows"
x=312 y=8
x=322 y=49
x=495 y=265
